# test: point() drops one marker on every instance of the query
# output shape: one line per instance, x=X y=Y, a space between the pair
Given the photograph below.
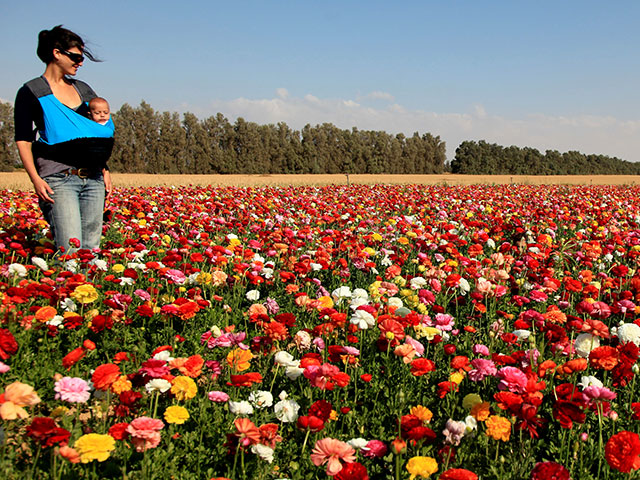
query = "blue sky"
x=551 y=75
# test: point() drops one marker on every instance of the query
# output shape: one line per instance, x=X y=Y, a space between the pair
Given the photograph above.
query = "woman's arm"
x=108 y=186
x=42 y=188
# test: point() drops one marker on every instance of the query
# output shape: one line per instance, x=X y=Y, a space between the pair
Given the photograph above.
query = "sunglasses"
x=74 y=57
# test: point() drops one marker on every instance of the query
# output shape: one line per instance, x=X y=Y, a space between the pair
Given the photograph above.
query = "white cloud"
x=378 y=95
x=586 y=133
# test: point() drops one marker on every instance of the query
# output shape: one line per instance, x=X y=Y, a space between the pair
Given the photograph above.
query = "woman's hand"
x=43 y=190
x=108 y=186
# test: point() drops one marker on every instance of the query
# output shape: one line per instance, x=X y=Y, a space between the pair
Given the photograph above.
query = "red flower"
x=549 y=471
x=73 y=357
x=568 y=412
x=44 y=431
x=245 y=380
x=104 y=376
x=458 y=474
x=8 y=344
x=604 y=357
x=321 y=409
x=622 y=451
x=310 y=422
x=352 y=471
x=422 y=366
x=119 y=431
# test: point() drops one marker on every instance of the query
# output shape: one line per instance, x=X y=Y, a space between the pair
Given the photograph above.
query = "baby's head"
x=99 y=110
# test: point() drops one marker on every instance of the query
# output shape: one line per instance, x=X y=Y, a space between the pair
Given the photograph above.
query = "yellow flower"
x=176 y=414
x=204 y=278
x=422 y=466
x=470 y=400
x=423 y=413
x=118 y=268
x=122 y=384
x=94 y=446
x=456 y=377
x=184 y=388
x=498 y=428
x=85 y=293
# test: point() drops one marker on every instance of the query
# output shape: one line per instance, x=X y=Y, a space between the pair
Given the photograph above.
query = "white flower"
x=629 y=332
x=590 y=381
x=395 y=302
x=341 y=293
x=264 y=452
x=358 y=443
x=491 y=244
x=261 y=399
x=471 y=424
x=363 y=319
x=357 y=302
x=417 y=283
x=68 y=305
x=126 y=281
x=158 y=385
x=293 y=372
x=56 y=321
x=464 y=286
x=287 y=410
x=100 y=264
x=522 y=334
x=17 y=269
x=71 y=265
x=253 y=295
x=360 y=293
x=285 y=359
x=584 y=343
x=163 y=355
x=240 y=408
x=40 y=263
x=316 y=266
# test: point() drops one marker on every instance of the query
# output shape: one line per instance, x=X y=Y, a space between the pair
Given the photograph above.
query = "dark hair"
x=61 y=39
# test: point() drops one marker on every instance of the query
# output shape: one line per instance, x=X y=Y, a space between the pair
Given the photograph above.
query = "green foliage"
x=8 y=150
x=482 y=158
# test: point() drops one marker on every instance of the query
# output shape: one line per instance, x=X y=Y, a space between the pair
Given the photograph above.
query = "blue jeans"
x=77 y=209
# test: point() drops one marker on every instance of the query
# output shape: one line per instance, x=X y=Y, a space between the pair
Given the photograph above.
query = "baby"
x=99 y=110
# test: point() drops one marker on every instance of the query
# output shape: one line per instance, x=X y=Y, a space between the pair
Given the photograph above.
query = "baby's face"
x=100 y=112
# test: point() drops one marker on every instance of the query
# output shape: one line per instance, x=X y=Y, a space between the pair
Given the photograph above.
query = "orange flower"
x=423 y=413
x=191 y=367
x=248 y=433
x=105 y=375
x=406 y=351
x=239 y=360
x=16 y=396
x=571 y=366
x=498 y=428
x=44 y=314
x=555 y=316
x=545 y=366
x=604 y=357
x=480 y=411
x=276 y=331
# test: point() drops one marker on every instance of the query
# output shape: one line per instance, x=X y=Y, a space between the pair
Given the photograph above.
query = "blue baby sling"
x=69 y=137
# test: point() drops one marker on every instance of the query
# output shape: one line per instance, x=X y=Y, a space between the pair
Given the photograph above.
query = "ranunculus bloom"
x=176 y=414
x=8 y=344
x=458 y=474
x=422 y=466
x=72 y=389
x=549 y=470
x=512 y=379
x=353 y=471
x=184 y=388
x=622 y=451
x=104 y=376
x=94 y=446
x=498 y=428
x=16 y=396
x=44 y=431
x=332 y=452
x=145 y=433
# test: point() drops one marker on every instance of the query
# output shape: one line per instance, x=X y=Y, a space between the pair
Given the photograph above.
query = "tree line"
x=482 y=158
x=149 y=141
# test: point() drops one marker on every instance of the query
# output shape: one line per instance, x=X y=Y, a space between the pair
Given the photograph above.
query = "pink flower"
x=176 y=276
x=320 y=375
x=71 y=389
x=145 y=433
x=454 y=431
x=155 y=368
x=217 y=396
x=4 y=368
x=482 y=368
x=595 y=394
x=600 y=310
x=332 y=452
x=375 y=449
x=512 y=379
x=480 y=349
x=444 y=322
x=417 y=346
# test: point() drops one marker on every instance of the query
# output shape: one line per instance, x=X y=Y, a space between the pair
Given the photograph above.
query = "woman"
x=67 y=162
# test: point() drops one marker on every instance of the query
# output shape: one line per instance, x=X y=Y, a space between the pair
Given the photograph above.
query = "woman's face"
x=69 y=60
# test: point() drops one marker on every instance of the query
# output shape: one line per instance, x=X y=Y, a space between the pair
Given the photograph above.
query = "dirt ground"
x=20 y=180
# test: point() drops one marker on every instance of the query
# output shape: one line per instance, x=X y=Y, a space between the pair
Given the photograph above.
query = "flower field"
x=352 y=332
